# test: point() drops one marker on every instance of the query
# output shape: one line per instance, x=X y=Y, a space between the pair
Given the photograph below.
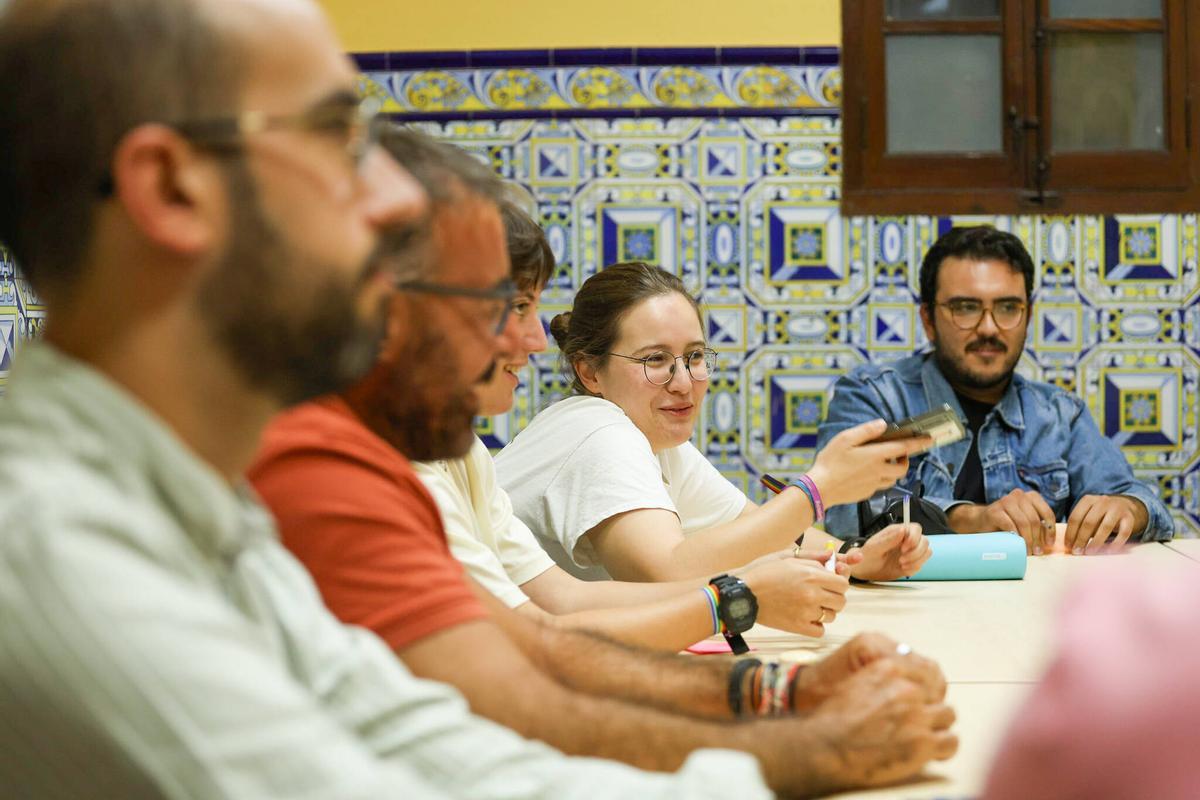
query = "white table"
x=992 y=639
x=1186 y=547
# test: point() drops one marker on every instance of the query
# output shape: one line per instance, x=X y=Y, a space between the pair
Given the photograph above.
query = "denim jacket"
x=1038 y=437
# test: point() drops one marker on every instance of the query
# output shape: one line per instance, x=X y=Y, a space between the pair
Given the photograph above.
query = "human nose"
x=987 y=322
x=392 y=196
x=681 y=378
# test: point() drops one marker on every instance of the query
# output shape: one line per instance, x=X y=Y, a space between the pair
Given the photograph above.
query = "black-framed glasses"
x=659 y=366
x=499 y=297
x=966 y=314
x=357 y=122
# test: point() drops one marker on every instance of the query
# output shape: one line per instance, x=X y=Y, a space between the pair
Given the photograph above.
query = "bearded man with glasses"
x=1034 y=456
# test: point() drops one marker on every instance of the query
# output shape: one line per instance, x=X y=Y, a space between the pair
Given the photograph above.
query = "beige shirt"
x=157 y=641
x=497 y=549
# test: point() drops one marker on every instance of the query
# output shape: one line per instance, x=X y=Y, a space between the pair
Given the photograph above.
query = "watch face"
x=739 y=608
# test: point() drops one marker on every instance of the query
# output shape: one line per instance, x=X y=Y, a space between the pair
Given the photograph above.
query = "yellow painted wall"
x=375 y=25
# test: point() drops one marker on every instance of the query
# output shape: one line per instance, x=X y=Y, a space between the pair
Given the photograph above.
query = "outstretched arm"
x=648 y=544
x=864 y=699
x=797 y=595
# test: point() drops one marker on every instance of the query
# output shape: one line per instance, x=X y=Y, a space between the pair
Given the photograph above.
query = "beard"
x=957 y=373
x=411 y=399
x=291 y=347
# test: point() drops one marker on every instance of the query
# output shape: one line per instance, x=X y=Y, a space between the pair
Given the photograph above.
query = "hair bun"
x=559 y=326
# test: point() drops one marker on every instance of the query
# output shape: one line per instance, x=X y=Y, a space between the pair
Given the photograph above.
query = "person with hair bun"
x=609 y=482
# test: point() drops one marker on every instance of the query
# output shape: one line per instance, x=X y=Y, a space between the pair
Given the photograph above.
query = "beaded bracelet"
x=783 y=697
x=791 y=685
x=767 y=695
x=772 y=689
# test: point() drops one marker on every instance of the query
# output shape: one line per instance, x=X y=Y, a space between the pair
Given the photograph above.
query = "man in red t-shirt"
x=351 y=507
x=362 y=522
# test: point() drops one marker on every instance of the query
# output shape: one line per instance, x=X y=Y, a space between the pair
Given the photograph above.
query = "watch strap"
x=850 y=544
x=736 y=643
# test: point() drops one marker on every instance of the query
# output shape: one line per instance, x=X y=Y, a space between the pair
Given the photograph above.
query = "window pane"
x=1106 y=9
x=1106 y=91
x=942 y=9
x=943 y=94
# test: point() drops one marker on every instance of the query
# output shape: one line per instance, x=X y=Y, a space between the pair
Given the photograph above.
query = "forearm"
x=1157 y=524
x=799 y=756
x=968 y=518
x=773 y=526
x=669 y=625
x=580 y=595
x=592 y=663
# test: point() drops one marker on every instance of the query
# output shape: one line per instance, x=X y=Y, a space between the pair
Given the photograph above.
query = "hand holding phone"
x=942 y=425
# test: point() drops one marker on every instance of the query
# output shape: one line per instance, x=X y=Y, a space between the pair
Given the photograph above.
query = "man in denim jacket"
x=1033 y=454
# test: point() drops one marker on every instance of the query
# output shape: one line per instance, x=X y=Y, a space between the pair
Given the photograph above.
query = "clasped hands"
x=881 y=709
x=1093 y=522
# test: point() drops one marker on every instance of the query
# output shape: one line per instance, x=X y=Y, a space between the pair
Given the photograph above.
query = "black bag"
x=887 y=508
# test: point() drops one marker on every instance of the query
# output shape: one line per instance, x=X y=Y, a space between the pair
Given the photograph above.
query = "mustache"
x=987 y=341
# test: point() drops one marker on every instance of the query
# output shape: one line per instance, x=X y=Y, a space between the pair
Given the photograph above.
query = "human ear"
x=166 y=189
x=927 y=322
x=588 y=375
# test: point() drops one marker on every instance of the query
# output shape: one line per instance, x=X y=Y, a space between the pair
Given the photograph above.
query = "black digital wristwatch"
x=737 y=607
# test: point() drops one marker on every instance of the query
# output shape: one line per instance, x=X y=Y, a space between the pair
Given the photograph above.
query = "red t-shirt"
x=350 y=507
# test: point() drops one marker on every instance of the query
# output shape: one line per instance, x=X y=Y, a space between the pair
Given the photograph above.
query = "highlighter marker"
x=772 y=483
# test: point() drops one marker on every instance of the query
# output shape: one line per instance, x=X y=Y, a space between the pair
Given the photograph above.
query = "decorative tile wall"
x=724 y=166
x=21 y=314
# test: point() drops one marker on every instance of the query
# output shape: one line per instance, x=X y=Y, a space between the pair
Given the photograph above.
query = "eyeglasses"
x=966 y=314
x=500 y=296
x=356 y=122
x=659 y=366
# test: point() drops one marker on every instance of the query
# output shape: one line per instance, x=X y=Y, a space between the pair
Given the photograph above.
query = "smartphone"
x=942 y=424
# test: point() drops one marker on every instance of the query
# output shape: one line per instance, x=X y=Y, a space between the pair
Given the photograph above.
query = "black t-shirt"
x=969 y=485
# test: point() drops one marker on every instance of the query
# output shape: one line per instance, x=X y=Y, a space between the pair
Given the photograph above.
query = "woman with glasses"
x=611 y=485
x=501 y=553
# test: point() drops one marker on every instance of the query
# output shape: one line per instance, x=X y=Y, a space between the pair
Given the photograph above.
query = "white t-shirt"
x=582 y=461
x=496 y=548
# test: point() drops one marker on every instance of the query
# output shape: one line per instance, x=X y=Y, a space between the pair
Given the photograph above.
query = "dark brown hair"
x=77 y=76
x=588 y=330
x=977 y=243
x=530 y=253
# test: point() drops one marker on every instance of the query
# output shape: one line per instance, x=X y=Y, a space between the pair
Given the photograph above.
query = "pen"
x=831 y=564
x=906 y=517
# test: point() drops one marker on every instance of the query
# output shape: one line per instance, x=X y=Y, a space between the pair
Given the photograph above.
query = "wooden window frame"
x=1025 y=178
